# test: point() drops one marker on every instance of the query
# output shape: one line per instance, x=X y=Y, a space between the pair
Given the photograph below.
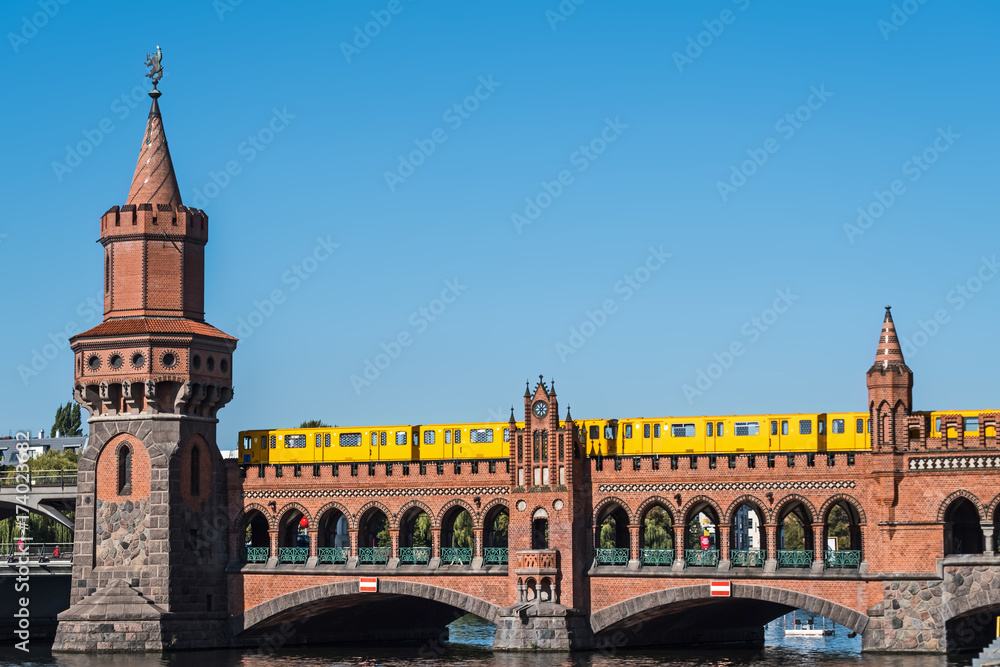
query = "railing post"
x=679 y=546
x=771 y=544
x=819 y=547
x=477 y=549
x=273 y=549
x=313 y=545
x=633 y=547
x=723 y=534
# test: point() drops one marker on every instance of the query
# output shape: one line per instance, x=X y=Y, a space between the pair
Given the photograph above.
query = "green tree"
x=462 y=535
x=314 y=423
x=500 y=526
x=795 y=535
x=422 y=535
x=658 y=530
x=68 y=421
x=608 y=531
x=838 y=525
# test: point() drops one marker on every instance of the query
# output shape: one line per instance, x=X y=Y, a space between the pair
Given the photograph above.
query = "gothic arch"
x=747 y=499
x=601 y=506
x=961 y=493
x=991 y=509
x=452 y=504
x=651 y=502
x=239 y=522
x=334 y=505
x=642 y=605
x=414 y=504
x=836 y=498
x=374 y=504
x=694 y=502
x=791 y=499
x=488 y=507
x=285 y=509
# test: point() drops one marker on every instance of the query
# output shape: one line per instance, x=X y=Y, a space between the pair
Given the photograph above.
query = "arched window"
x=195 y=471
x=124 y=470
x=535 y=454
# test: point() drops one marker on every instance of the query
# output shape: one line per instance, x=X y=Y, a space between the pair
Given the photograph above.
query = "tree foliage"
x=462 y=535
x=68 y=421
x=658 y=530
x=422 y=535
x=314 y=423
x=794 y=533
x=500 y=526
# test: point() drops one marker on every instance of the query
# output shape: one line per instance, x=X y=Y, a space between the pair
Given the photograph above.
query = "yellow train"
x=818 y=432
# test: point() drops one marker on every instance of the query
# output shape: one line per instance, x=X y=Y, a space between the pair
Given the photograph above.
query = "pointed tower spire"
x=154 y=181
x=889 y=352
x=569 y=417
x=512 y=419
x=527 y=389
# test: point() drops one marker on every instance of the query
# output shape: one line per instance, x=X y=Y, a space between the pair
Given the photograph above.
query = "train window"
x=595 y=432
x=447 y=436
x=805 y=427
x=628 y=430
x=374 y=439
x=429 y=437
x=682 y=430
x=458 y=436
x=273 y=443
x=747 y=428
x=972 y=424
x=820 y=426
x=478 y=435
x=859 y=426
x=319 y=439
x=937 y=424
x=718 y=430
x=645 y=430
x=400 y=437
x=869 y=426
x=784 y=427
x=709 y=429
x=609 y=432
x=774 y=428
x=295 y=441
x=326 y=440
x=656 y=430
x=382 y=438
x=246 y=442
x=506 y=435
x=349 y=440
x=837 y=426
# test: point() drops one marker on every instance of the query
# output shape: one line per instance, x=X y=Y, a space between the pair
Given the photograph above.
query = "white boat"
x=807 y=629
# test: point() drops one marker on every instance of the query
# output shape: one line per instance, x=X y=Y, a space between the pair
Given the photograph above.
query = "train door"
x=710 y=437
x=647 y=438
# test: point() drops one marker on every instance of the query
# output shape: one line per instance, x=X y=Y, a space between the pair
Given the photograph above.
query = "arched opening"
x=540 y=530
x=747 y=544
x=530 y=590
x=701 y=536
x=374 y=540
x=457 y=537
x=124 y=470
x=415 y=537
x=795 y=536
x=256 y=538
x=611 y=536
x=293 y=538
x=334 y=538
x=963 y=533
x=842 y=539
x=656 y=537
x=973 y=631
x=195 y=470
x=545 y=590
x=495 y=528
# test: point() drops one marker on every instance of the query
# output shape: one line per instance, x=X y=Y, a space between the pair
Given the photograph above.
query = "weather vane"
x=155 y=69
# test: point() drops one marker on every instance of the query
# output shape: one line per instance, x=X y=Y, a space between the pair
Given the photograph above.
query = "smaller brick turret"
x=890 y=391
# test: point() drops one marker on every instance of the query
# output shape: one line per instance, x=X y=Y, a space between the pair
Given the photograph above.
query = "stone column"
x=988 y=547
x=679 y=546
x=723 y=533
x=394 y=544
x=313 y=547
x=819 y=546
x=273 y=556
x=435 y=548
x=633 y=553
x=352 y=558
x=771 y=545
x=477 y=549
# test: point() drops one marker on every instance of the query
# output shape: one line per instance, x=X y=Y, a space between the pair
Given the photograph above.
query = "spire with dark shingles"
x=889 y=354
x=154 y=181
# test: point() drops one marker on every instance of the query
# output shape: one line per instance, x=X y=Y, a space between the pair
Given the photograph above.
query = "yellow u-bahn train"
x=819 y=432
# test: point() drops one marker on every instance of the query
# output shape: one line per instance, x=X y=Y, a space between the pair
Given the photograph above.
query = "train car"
x=253 y=447
x=943 y=424
x=848 y=431
x=485 y=440
x=597 y=437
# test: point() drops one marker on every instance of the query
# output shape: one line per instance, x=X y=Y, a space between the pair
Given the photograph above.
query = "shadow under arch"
x=673 y=615
x=400 y=610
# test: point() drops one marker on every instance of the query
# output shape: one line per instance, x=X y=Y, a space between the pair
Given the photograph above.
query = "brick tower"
x=150 y=542
x=890 y=391
x=547 y=534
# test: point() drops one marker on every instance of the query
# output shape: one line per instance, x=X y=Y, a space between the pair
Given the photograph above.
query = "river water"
x=468 y=647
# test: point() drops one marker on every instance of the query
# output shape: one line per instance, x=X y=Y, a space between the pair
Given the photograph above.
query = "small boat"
x=807 y=629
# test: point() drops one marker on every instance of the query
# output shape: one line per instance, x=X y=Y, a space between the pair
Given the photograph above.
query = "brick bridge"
x=161 y=560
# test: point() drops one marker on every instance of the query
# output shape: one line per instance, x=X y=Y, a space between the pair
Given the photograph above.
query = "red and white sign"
x=721 y=589
x=369 y=585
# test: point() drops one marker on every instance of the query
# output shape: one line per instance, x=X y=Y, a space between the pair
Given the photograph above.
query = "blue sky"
x=739 y=138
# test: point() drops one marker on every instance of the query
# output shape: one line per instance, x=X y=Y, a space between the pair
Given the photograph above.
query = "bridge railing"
x=456 y=556
x=657 y=557
x=612 y=556
x=40 y=552
x=48 y=478
x=701 y=557
x=843 y=559
x=414 y=555
x=795 y=557
x=747 y=557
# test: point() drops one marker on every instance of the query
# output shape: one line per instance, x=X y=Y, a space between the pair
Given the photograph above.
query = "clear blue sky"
x=680 y=116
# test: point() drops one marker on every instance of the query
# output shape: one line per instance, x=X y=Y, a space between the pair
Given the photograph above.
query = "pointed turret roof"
x=889 y=354
x=154 y=181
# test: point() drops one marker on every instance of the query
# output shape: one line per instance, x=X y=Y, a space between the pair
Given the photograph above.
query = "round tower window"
x=94 y=362
x=115 y=361
x=138 y=360
x=196 y=362
x=169 y=360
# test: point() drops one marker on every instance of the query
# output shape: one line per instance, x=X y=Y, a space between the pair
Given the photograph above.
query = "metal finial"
x=155 y=70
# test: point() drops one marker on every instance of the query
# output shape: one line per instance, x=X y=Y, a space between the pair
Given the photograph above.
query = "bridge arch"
x=838 y=498
x=450 y=506
x=600 y=509
x=746 y=499
x=961 y=493
x=778 y=601
x=333 y=505
x=240 y=521
x=325 y=597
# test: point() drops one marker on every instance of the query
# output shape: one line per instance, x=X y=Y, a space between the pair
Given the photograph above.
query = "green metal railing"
x=256 y=554
x=850 y=559
x=795 y=558
x=374 y=555
x=656 y=556
x=414 y=555
x=495 y=555
x=747 y=557
x=333 y=555
x=612 y=556
x=456 y=556
x=293 y=554
x=701 y=557
x=60 y=478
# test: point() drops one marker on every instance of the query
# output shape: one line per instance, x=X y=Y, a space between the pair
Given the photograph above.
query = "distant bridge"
x=48 y=492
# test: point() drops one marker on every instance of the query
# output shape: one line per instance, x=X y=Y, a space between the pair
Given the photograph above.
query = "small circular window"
x=224 y=366
x=210 y=364
x=169 y=360
x=196 y=362
x=138 y=361
x=116 y=361
x=94 y=362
